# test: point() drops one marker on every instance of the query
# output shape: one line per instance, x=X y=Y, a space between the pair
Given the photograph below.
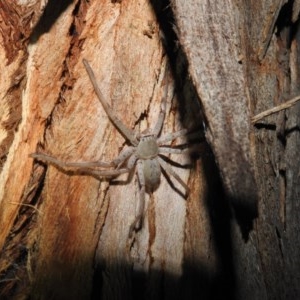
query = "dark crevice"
x=197 y=279
x=51 y=14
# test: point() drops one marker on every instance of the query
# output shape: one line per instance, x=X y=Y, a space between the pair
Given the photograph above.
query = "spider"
x=145 y=153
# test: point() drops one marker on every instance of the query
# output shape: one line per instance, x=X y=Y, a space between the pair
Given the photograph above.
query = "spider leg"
x=128 y=133
x=171 y=136
x=131 y=162
x=194 y=148
x=169 y=150
x=171 y=172
x=124 y=154
x=141 y=204
x=103 y=173
x=159 y=124
x=62 y=164
x=81 y=167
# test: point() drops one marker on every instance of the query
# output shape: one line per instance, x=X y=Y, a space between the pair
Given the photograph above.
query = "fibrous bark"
x=65 y=235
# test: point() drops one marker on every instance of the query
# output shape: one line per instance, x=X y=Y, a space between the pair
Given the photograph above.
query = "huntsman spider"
x=145 y=153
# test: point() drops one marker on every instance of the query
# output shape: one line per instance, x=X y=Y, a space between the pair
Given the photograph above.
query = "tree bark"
x=65 y=235
x=243 y=60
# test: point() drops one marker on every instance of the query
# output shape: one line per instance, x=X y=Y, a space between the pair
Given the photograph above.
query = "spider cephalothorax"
x=147 y=147
x=146 y=152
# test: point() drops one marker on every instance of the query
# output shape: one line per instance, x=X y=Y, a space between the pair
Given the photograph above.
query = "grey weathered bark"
x=65 y=236
x=243 y=60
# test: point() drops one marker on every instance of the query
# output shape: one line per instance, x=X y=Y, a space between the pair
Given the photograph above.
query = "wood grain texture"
x=243 y=61
x=14 y=126
x=65 y=236
x=74 y=229
x=215 y=53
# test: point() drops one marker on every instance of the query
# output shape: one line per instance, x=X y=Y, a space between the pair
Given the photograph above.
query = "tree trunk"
x=65 y=235
x=243 y=59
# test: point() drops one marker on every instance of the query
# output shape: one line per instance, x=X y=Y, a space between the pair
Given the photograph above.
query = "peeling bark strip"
x=17 y=22
x=208 y=32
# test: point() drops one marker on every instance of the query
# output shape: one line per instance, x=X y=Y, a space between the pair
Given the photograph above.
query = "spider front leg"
x=127 y=132
x=87 y=168
x=161 y=117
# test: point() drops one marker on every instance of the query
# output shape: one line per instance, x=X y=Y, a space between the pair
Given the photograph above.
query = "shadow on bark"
x=197 y=280
x=51 y=13
x=223 y=211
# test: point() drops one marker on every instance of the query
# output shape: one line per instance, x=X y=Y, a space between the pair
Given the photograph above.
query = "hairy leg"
x=171 y=136
x=168 y=150
x=161 y=117
x=171 y=172
x=81 y=167
x=184 y=132
x=136 y=225
x=124 y=154
x=127 y=132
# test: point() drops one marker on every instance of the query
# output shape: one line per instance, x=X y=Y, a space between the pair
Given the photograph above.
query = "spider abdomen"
x=152 y=172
